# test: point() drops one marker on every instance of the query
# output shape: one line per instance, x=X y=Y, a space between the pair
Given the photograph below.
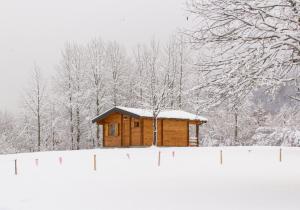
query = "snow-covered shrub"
x=276 y=136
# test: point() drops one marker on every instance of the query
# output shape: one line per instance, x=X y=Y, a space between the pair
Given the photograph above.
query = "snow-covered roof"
x=169 y=114
x=179 y=114
x=139 y=112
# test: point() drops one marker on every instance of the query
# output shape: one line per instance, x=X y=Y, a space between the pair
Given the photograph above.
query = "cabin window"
x=136 y=124
x=112 y=129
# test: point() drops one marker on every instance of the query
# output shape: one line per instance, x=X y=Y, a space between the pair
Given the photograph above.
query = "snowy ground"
x=250 y=178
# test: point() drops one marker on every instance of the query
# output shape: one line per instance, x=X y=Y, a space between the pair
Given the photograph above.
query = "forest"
x=237 y=65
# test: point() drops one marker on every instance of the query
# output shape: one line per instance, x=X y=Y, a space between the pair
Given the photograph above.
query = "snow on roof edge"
x=103 y=113
x=169 y=114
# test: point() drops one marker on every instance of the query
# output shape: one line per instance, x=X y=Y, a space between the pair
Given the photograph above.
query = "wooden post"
x=95 y=163
x=221 y=157
x=16 y=167
x=36 y=162
x=280 y=155
x=159 y=158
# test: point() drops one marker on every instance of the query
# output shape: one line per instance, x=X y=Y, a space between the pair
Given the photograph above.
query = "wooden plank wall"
x=175 y=133
x=148 y=132
x=135 y=133
x=113 y=141
x=126 y=131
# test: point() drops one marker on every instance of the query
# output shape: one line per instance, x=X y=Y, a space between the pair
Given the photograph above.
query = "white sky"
x=36 y=30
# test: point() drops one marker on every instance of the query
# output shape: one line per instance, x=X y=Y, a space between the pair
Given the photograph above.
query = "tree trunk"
x=236 y=127
x=53 y=142
x=71 y=129
x=38 y=116
x=180 y=82
x=71 y=113
x=97 y=126
x=52 y=127
x=39 y=130
x=78 y=127
x=154 y=130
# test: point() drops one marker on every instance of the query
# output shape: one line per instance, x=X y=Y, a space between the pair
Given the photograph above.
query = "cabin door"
x=126 y=132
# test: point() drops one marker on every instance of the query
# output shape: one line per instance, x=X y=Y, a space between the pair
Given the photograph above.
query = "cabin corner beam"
x=130 y=135
x=188 y=132
x=197 y=135
x=162 y=132
x=121 y=132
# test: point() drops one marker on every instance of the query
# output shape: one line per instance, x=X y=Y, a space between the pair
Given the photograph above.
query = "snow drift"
x=130 y=179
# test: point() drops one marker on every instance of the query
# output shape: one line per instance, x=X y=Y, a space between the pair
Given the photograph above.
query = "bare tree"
x=72 y=82
x=34 y=99
x=53 y=121
x=117 y=65
x=97 y=61
x=65 y=78
x=79 y=82
x=140 y=68
x=158 y=83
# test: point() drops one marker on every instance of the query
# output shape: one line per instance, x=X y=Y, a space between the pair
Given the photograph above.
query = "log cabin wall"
x=159 y=133
x=125 y=130
x=129 y=131
x=112 y=141
x=148 y=132
x=136 y=132
x=175 y=133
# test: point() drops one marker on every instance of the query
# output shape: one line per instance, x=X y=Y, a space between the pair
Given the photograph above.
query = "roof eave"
x=112 y=110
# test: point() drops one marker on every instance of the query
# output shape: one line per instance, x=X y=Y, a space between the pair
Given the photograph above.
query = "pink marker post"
x=36 y=162
x=60 y=160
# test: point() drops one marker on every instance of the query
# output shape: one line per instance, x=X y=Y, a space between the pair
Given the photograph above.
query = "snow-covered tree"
x=97 y=62
x=117 y=65
x=71 y=80
x=93 y=77
x=34 y=105
x=248 y=44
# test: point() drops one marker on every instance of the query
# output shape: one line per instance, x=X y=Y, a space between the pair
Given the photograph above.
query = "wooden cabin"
x=131 y=127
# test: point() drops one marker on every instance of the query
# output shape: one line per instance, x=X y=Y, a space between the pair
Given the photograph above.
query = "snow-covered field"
x=250 y=178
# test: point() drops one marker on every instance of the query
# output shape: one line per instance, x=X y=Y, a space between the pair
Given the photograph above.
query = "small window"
x=112 y=129
x=136 y=124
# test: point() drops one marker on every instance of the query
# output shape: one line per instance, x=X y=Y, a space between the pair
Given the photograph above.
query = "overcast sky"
x=36 y=30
